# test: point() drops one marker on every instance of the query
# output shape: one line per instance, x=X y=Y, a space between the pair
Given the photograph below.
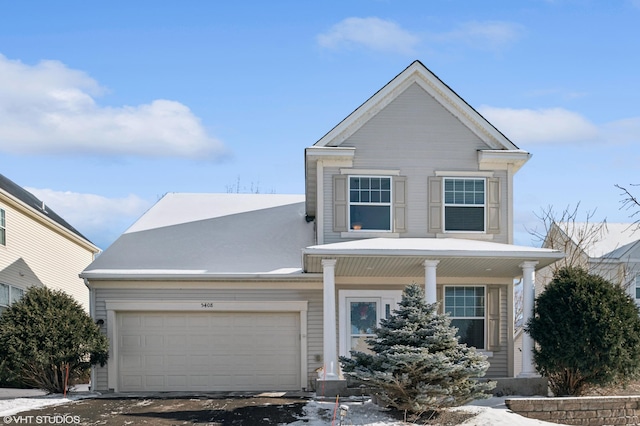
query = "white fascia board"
x=501 y=159
x=134 y=275
x=449 y=99
x=330 y=152
x=545 y=254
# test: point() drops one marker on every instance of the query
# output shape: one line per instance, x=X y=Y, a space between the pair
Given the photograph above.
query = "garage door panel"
x=209 y=351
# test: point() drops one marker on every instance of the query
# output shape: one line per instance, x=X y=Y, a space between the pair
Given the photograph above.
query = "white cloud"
x=50 y=108
x=553 y=125
x=625 y=131
x=372 y=33
x=490 y=35
x=98 y=218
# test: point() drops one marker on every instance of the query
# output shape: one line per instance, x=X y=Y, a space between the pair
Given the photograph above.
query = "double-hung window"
x=370 y=203
x=466 y=308
x=3 y=228
x=9 y=295
x=637 y=289
x=464 y=204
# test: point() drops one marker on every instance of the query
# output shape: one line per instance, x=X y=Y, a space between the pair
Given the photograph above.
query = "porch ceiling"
x=404 y=257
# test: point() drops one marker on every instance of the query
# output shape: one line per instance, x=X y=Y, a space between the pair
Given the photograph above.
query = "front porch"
x=371 y=273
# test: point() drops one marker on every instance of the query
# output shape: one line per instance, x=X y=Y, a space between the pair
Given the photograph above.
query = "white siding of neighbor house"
x=54 y=259
x=314 y=313
x=416 y=136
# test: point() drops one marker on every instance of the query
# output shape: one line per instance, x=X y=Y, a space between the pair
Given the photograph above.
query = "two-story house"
x=265 y=291
x=611 y=250
x=38 y=248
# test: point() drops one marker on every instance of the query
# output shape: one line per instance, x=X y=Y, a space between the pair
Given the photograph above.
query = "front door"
x=360 y=313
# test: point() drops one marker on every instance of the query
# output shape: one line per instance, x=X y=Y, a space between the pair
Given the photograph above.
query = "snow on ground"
x=9 y=407
x=490 y=412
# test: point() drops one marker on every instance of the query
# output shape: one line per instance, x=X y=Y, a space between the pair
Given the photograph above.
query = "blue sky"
x=106 y=106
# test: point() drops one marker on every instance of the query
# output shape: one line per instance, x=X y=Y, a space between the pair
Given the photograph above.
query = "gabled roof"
x=202 y=236
x=614 y=241
x=500 y=149
x=420 y=74
x=36 y=206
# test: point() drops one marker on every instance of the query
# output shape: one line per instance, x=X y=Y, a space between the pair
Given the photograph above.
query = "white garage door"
x=208 y=351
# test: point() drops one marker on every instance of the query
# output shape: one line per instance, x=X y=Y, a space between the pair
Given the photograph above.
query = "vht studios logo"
x=58 y=419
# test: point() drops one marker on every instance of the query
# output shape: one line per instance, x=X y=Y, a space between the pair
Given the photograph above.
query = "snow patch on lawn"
x=9 y=407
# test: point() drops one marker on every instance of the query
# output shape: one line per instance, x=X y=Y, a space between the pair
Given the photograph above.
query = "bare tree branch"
x=630 y=202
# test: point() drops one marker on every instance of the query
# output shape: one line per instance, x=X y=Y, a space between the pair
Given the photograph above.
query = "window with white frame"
x=9 y=295
x=466 y=308
x=637 y=288
x=3 y=229
x=370 y=203
x=464 y=204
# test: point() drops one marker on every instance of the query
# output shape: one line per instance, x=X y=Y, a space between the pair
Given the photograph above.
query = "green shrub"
x=44 y=335
x=417 y=364
x=587 y=332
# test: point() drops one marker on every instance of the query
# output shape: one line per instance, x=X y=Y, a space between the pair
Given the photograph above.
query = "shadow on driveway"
x=112 y=410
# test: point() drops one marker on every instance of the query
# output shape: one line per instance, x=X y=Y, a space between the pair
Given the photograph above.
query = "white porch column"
x=528 y=290
x=430 y=294
x=330 y=346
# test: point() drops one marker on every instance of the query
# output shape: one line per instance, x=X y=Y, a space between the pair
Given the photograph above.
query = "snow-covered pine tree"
x=417 y=364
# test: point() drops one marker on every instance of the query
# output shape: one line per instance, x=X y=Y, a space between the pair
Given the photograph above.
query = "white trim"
x=114 y=306
x=388 y=204
x=112 y=363
x=466 y=235
x=218 y=306
x=320 y=202
x=417 y=73
x=445 y=205
x=343 y=295
x=365 y=172
x=369 y=234
x=444 y=173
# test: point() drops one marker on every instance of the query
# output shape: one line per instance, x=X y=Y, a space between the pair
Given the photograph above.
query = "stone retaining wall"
x=590 y=410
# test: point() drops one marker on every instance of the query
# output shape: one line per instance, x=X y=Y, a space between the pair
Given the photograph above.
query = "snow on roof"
x=203 y=234
x=613 y=240
x=451 y=246
x=176 y=208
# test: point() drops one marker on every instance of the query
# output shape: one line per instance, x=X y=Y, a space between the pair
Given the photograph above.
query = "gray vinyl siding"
x=314 y=314
x=416 y=136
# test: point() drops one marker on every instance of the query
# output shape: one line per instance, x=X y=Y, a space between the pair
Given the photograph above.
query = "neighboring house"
x=264 y=292
x=38 y=248
x=610 y=250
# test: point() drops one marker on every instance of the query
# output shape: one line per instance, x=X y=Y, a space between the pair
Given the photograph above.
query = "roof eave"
x=88 y=245
x=142 y=275
x=496 y=159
